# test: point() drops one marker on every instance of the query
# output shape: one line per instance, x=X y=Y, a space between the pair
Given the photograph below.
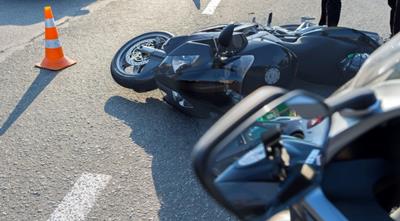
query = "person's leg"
x=392 y=4
x=334 y=8
x=322 y=21
x=396 y=22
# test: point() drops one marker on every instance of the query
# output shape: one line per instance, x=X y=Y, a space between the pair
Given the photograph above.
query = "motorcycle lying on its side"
x=211 y=70
x=348 y=168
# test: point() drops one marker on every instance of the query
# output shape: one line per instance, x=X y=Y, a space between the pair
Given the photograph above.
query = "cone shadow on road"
x=38 y=85
x=168 y=136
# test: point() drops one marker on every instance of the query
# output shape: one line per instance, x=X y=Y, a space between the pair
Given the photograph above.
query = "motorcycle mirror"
x=225 y=38
x=241 y=161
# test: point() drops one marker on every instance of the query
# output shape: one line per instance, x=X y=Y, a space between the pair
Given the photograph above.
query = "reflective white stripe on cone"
x=52 y=43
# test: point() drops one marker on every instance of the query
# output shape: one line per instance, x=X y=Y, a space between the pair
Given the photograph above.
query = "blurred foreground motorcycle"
x=348 y=168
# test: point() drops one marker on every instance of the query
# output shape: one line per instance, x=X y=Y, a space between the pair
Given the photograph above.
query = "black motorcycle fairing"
x=311 y=61
x=268 y=55
x=218 y=102
x=193 y=48
x=202 y=86
x=203 y=62
x=201 y=37
x=175 y=42
x=199 y=87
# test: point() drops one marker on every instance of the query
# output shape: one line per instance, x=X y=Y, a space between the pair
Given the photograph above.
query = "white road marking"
x=77 y=203
x=210 y=9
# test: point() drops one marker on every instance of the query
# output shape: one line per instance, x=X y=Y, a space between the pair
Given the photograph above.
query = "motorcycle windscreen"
x=382 y=65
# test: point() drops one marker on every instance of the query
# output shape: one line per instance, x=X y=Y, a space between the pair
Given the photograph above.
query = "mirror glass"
x=249 y=166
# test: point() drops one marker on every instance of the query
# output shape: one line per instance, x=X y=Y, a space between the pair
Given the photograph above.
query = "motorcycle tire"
x=128 y=62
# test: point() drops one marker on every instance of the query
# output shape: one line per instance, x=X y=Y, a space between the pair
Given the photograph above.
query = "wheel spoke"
x=136 y=69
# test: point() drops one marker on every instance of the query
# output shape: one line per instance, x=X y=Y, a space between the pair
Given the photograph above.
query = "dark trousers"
x=330 y=12
x=394 y=16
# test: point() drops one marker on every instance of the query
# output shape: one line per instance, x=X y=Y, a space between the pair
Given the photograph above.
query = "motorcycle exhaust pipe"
x=153 y=51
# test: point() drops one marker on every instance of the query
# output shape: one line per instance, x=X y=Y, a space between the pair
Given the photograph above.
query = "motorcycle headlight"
x=179 y=63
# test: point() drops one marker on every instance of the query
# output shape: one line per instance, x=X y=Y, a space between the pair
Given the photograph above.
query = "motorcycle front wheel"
x=128 y=63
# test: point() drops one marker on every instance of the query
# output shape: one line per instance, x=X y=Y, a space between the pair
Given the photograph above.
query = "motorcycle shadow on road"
x=168 y=136
x=43 y=79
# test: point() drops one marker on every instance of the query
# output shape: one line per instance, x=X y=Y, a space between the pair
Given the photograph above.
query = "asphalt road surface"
x=76 y=146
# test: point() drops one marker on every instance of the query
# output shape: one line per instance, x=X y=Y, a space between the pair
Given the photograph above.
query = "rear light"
x=314 y=122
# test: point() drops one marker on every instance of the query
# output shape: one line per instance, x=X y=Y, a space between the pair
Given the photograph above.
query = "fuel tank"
x=274 y=65
x=319 y=53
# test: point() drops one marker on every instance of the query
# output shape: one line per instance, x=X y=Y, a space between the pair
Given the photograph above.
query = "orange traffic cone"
x=54 y=56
